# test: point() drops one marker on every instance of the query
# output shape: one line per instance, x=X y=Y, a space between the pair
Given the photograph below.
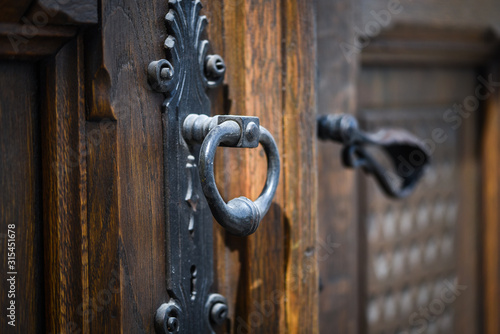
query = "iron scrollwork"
x=190 y=140
x=184 y=76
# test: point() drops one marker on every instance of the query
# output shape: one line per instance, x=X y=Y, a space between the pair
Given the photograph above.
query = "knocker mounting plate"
x=184 y=76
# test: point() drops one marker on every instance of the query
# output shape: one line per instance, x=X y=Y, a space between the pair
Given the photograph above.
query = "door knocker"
x=190 y=139
x=408 y=154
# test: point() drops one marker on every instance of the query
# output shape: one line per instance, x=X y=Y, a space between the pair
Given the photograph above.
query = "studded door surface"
x=418 y=276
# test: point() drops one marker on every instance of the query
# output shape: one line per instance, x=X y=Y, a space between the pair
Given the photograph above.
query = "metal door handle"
x=408 y=154
x=240 y=216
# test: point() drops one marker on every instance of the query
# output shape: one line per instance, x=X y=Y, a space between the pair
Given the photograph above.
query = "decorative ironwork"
x=184 y=78
x=240 y=216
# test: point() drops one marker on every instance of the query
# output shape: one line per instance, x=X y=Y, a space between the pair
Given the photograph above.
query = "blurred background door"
x=429 y=263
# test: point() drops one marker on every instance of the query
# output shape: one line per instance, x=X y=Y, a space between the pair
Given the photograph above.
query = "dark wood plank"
x=64 y=190
x=341 y=284
x=20 y=198
x=270 y=279
x=126 y=208
x=105 y=280
x=300 y=168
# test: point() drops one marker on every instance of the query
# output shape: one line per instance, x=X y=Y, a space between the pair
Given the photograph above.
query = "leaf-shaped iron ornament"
x=184 y=76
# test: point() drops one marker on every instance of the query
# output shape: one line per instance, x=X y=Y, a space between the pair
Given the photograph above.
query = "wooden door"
x=82 y=165
x=424 y=67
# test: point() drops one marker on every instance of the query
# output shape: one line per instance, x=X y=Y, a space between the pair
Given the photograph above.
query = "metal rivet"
x=218 y=313
x=252 y=132
x=215 y=67
x=172 y=324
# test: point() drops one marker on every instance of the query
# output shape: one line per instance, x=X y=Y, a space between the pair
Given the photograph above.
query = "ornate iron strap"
x=184 y=77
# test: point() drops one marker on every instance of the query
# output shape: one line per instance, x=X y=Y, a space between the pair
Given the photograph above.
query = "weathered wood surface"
x=338 y=242
x=269 y=278
x=21 y=195
x=125 y=209
x=64 y=190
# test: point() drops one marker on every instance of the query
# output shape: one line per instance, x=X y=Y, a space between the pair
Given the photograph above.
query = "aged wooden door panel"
x=270 y=277
x=43 y=167
x=21 y=200
x=82 y=164
x=337 y=210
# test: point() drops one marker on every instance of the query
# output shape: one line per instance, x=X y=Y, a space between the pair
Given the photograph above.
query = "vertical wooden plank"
x=299 y=166
x=340 y=285
x=125 y=170
x=261 y=291
x=491 y=204
x=105 y=284
x=20 y=197
x=265 y=250
x=253 y=267
x=271 y=277
x=64 y=192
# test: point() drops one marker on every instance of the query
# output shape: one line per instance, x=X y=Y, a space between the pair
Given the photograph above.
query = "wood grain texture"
x=270 y=278
x=105 y=283
x=21 y=197
x=64 y=190
x=253 y=47
x=126 y=211
x=299 y=167
x=340 y=285
x=491 y=230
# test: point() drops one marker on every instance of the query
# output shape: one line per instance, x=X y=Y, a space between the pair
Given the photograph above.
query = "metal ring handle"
x=240 y=216
x=408 y=154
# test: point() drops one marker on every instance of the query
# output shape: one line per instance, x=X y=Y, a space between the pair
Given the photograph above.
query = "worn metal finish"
x=407 y=153
x=240 y=216
x=184 y=78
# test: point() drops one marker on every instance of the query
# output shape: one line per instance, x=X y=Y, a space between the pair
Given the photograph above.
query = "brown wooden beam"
x=64 y=190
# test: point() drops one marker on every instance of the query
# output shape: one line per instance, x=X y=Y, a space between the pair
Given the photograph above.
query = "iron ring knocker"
x=408 y=154
x=240 y=216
